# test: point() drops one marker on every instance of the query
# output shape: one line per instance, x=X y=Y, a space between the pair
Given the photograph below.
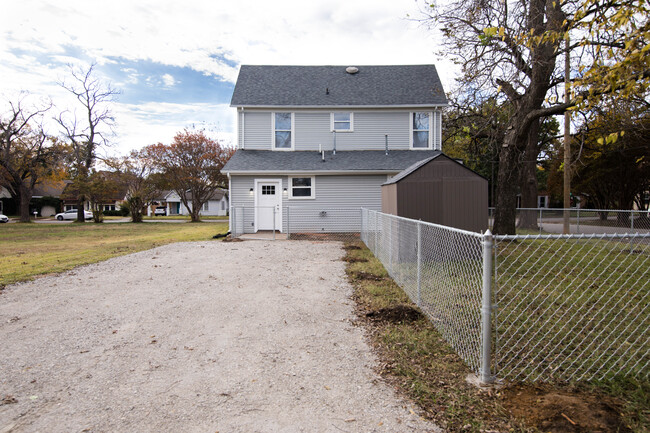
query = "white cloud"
x=168 y=80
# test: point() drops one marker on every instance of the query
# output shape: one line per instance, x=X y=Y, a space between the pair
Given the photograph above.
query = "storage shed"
x=440 y=190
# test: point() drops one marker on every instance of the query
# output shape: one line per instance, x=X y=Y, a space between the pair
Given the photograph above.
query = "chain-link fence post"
x=486 y=355
x=578 y=228
x=632 y=221
x=540 y=220
x=419 y=243
x=390 y=247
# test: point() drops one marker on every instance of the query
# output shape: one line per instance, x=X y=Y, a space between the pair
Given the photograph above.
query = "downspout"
x=334 y=149
x=229 y=204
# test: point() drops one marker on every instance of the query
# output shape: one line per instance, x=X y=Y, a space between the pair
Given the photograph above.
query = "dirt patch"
x=396 y=314
x=553 y=410
x=343 y=237
x=361 y=275
x=351 y=247
x=351 y=259
x=229 y=238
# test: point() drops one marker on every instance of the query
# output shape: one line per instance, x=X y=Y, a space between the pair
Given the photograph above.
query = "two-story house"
x=322 y=138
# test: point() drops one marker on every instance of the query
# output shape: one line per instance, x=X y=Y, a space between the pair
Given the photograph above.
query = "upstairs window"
x=421 y=130
x=283 y=131
x=301 y=187
x=342 y=122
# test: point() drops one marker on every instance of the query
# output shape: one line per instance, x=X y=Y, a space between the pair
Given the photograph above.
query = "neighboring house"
x=112 y=203
x=45 y=198
x=217 y=205
x=321 y=138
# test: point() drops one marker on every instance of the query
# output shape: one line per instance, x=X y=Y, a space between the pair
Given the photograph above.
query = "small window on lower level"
x=301 y=187
x=206 y=206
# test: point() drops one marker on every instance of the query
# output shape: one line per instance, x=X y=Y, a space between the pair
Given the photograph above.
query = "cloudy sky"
x=175 y=62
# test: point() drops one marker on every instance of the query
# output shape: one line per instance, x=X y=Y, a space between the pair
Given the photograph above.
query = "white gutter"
x=360 y=107
x=322 y=172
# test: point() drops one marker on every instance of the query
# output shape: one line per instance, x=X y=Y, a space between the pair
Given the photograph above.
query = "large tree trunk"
x=528 y=218
x=505 y=212
x=81 y=216
x=25 y=196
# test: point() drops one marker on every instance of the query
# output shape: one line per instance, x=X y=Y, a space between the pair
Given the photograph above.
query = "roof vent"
x=352 y=70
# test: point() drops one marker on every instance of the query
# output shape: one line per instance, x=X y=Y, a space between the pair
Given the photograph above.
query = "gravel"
x=210 y=337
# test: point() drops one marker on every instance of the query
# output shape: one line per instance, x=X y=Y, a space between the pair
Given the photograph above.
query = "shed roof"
x=258 y=161
x=327 y=86
x=407 y=171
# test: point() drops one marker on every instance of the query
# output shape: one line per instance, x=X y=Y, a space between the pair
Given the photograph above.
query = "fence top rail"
x=574 y=236
x=426 y=223
x=576 y=209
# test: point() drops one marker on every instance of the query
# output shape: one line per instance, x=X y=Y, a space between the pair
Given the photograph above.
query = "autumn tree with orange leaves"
x=192 y=165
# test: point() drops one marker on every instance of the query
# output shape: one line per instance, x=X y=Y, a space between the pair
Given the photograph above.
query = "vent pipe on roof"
x=323 y=155
x=351 y=70
x=334 y=148
x=386 y=137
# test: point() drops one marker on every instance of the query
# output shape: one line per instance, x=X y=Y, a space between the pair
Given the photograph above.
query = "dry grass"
x=29 y=250
x=420 y=363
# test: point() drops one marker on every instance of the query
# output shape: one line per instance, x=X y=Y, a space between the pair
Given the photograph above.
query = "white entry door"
x=269 y=206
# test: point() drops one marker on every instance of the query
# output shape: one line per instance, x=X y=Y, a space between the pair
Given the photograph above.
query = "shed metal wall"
x=441 y=192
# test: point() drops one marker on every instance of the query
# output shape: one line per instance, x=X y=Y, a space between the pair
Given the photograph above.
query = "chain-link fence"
x=292 y=222
x=572 y=307
x=440 y=269
x=550 y=220
x=528 y=308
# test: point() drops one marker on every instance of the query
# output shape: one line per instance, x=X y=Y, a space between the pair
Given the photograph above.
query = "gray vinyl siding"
x=257 y=130
x=313 y=128
x=340 y=197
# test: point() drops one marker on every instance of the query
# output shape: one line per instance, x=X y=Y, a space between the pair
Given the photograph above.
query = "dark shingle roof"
x=317 y=86
x=260 y=161
x=402 y=174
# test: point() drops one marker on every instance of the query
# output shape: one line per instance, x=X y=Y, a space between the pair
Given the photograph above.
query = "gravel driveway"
x=196 y=337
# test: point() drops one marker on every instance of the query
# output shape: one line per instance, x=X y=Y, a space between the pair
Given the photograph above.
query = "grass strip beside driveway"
x=420 y=363
x=29 y=250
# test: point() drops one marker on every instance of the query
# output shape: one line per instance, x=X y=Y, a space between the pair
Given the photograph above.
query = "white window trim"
x=313 y=188
x=342 y=130
x=293 y=133
x=431 y=130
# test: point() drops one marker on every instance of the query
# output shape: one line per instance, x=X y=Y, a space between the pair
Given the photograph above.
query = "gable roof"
x=327 y=86
x=260 y=161
x=407 y=171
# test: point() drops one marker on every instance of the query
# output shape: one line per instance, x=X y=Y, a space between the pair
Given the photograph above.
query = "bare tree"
x=27 y=154
x=138 y=173
x=85 y=136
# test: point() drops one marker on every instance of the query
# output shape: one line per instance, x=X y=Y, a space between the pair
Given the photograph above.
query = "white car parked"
x=72 y=215
x=4 y=218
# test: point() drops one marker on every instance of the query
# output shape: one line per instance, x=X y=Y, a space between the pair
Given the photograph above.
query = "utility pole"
x=566 y=224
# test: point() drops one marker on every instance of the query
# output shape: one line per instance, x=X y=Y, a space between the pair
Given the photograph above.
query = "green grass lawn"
x=29 y=250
